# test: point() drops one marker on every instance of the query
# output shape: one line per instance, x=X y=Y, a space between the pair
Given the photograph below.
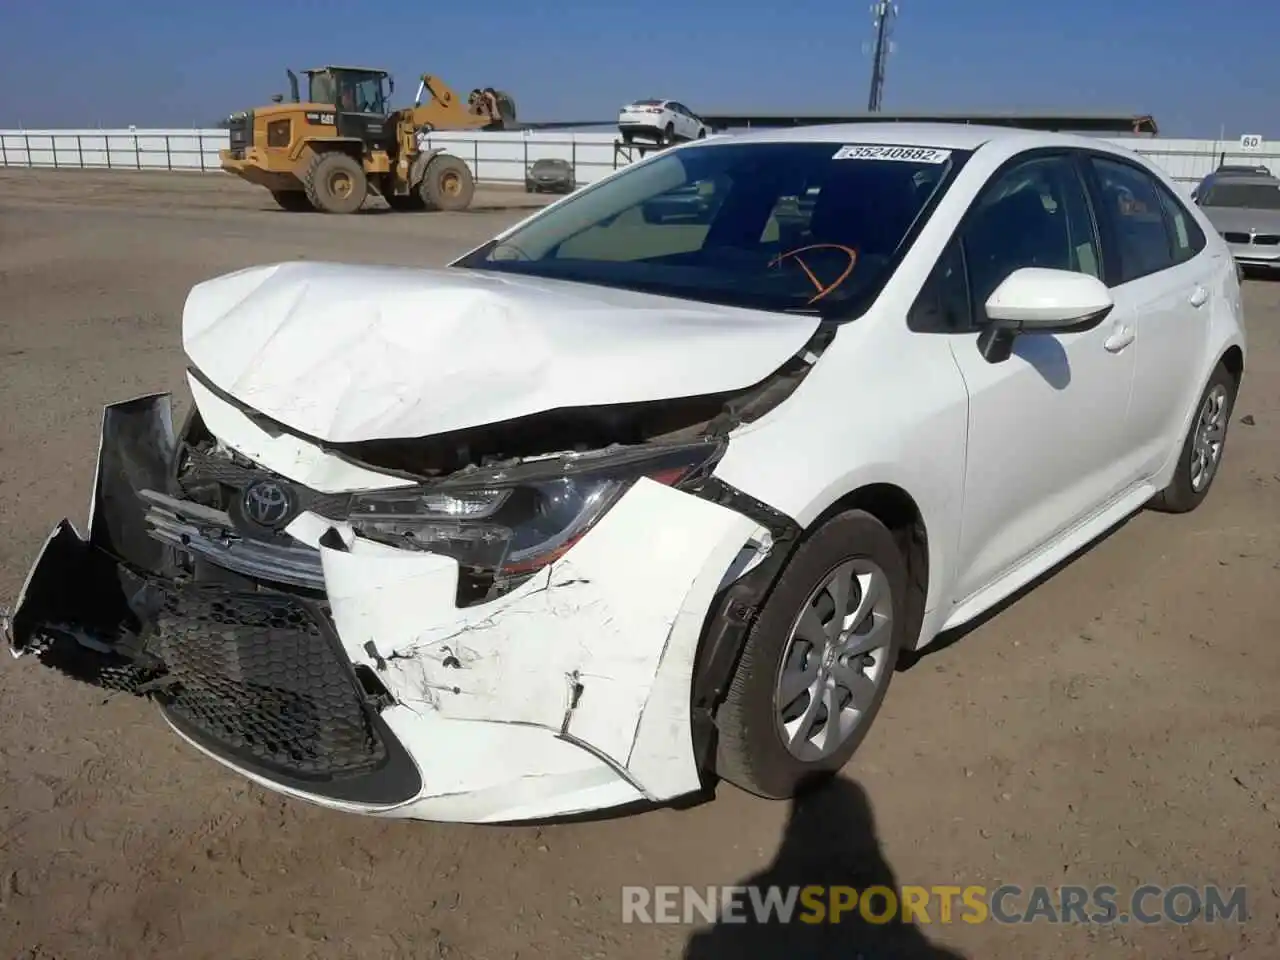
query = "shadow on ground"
x=830 y=840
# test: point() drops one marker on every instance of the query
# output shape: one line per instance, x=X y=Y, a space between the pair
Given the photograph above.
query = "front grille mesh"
x=257 y=674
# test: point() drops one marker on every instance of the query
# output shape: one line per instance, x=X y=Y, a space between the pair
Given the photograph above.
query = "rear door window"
x=1188 y=239
x=1131 y=207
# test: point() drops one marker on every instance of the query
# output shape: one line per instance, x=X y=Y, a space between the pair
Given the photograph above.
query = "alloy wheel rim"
x=1206 y=445
x=835 y=660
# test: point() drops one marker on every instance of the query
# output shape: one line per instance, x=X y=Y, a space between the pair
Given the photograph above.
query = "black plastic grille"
x=200 y=468
x=260 y=676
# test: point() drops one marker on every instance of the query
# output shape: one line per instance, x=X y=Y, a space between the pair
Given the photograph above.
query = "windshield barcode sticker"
x=876 y=151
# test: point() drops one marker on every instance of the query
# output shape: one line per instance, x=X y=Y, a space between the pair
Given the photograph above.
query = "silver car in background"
x=1245 y=209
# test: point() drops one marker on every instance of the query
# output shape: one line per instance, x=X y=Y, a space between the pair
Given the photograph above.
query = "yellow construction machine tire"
x=447 y=184
x=336 y=183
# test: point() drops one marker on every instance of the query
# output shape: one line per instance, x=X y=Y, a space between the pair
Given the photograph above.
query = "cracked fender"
x=597 y=649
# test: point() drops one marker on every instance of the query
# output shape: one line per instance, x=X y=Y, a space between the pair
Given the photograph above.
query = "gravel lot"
x=1119 y=724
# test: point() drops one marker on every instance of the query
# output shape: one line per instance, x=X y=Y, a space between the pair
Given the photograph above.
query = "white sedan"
x=654 y=487
x=663 y=121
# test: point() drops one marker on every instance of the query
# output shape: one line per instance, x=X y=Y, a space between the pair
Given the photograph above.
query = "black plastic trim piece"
x=724 y=631
x=394 y=782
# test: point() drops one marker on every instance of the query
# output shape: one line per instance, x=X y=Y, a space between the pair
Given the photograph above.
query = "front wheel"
x=336 y=183
x=447 y=184
x=817 y=661
x=1203 y=446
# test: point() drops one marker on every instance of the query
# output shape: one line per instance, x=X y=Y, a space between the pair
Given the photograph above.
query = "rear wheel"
x=817 y=661
x=295 y=201
x=336 y=183
x=669 y=134
x=447 y=184
x=1202 y=448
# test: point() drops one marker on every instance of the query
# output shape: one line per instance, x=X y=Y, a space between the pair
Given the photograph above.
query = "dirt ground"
x=1119 y=724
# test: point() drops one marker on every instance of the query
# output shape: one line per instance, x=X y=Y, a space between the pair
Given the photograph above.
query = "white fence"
x=493 y=157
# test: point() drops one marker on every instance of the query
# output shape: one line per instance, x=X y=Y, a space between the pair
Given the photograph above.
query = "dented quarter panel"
x=580 y=649
x=354 y=353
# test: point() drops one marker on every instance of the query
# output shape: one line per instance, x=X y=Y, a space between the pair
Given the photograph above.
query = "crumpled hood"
x=348 y=353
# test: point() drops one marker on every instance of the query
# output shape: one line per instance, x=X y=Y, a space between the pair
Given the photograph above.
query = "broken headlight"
x=511 y=522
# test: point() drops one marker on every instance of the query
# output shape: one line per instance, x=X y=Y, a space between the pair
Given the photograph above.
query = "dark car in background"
x=550 y=175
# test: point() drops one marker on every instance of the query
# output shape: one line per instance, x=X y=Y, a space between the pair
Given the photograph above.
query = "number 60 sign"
x=1251 y=142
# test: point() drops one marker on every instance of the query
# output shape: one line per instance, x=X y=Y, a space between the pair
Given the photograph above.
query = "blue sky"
x=70 y=63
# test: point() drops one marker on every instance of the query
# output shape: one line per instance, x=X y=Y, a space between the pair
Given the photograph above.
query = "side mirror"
x=1039 y=300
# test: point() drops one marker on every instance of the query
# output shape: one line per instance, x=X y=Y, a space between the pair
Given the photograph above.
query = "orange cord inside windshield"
x=817 y=284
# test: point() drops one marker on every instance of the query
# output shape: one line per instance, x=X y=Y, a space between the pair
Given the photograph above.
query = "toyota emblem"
x=267 y=503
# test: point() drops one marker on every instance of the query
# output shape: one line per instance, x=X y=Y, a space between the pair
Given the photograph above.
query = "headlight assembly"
x=512 y=522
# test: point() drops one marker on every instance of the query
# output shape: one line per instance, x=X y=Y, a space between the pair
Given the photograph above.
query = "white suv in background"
x=665 y=121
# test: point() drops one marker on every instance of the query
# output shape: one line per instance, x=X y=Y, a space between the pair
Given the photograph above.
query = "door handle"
x=1120 y=338
x=1199 y=296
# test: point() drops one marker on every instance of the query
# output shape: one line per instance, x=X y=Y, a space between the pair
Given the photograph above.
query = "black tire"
x=669 y=134
x=295 y=201
x=628 y=137
x=336 y=183
x=447 y=184
x=405 y=202
x=702 y=133
x=1181 y=496
x=750 y=752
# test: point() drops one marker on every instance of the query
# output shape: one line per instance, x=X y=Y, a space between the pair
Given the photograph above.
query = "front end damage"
x=409 y=628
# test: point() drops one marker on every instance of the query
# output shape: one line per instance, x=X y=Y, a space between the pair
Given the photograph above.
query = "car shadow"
x=1046 y=354
x=830 y=841
x=908 y=659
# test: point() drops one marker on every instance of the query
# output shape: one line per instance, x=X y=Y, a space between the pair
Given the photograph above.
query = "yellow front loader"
x=329 y=151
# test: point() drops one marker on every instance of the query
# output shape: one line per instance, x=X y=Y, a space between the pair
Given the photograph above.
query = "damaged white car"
x=654 y=487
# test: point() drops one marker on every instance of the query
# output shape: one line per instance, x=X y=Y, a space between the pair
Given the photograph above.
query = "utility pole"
x=885 y=12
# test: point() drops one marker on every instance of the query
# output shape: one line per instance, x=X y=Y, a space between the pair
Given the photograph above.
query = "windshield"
x=808 y=227
x=354 y=92
x=1253 y=196
x=321 y=89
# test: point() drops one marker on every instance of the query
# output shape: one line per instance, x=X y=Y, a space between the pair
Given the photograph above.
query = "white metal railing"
x=498 y=157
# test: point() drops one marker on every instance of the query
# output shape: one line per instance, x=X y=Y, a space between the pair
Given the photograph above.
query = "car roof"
x=1238 y=170
x=951 y=136
x=1257 y=178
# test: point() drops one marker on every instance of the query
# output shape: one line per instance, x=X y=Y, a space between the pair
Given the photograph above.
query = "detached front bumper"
x=344 y=672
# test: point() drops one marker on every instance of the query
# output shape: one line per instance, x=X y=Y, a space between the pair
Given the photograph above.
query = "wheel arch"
x=313 y=147
x=894 y=507
x=1233 y=359
x=738 y=602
